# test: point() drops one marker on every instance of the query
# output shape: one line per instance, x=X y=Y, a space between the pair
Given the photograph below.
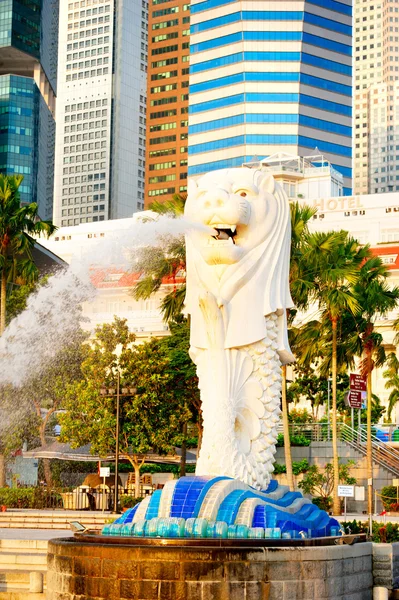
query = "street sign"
x=346 y=491
x=105 y=471
x=358 y=383
x=355 y=399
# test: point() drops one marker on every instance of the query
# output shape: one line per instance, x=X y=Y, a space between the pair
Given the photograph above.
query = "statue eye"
x=241 y=193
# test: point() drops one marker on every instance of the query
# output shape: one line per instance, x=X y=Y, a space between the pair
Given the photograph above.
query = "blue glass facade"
x=28 y=36
x=264 y=81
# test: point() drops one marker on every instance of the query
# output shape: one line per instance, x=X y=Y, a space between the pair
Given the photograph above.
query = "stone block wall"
x=80 y=571
x=386 y=565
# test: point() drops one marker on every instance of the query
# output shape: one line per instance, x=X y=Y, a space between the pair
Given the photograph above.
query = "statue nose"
x=212 y=202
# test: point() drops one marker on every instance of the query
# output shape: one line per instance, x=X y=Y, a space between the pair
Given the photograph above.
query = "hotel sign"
x=341 y=203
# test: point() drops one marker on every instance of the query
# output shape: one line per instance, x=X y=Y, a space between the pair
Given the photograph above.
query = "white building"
x=113 y=283
x=372 y=218
x=307 y=177
x=101 y=104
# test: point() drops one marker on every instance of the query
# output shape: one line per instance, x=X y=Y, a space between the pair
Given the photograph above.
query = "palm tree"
x=392 y=381
x=374 y=296
x=169 y=262
x=300 y=286
x=18 y=225
x=337 y=271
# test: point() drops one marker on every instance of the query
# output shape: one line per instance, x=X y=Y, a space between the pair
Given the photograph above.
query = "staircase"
x=383 y=455
x=50 y=519
x=18 y=558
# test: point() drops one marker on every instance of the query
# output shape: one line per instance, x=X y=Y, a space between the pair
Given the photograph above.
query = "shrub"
x=297 y=467
x=320 y=482
x=296 y=440
x=150 y=468
x=387 y=533
x=323 y=503
x=300 y=415
x=389 y=495
x=127 y=501
x=394 y=507
x=37 y=497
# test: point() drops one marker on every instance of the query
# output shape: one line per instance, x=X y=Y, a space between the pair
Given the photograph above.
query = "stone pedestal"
x=79 y=570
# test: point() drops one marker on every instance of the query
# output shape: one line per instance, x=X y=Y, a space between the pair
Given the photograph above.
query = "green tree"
x=157 y=264
x=150 y=417
x=320 y=483
x=183 y=373
x=18 y=226
x=300 y=287
x=336 y=275
x=374 y=297
x=18 y=297
x=391 y=375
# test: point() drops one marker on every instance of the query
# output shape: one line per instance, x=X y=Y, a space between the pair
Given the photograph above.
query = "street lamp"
x=126 y=391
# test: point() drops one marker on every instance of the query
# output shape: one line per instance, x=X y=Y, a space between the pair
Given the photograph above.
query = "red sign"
x=355 y=399
x=358 y=383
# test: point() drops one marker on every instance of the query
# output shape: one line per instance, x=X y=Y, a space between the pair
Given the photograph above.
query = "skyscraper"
x=376 y=164
x=100 y=142
x=167 y=95
x=270 y=77
x=28 y=70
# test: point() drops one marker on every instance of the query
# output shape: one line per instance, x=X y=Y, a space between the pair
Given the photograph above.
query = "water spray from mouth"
x=51 y=318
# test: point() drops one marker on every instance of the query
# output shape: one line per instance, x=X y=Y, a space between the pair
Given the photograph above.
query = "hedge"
x=35 y=497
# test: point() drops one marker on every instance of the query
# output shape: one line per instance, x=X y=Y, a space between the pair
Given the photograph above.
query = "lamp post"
x=116 y=488
x=126 y=391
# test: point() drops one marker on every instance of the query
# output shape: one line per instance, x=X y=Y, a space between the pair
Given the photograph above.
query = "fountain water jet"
x=50 y=319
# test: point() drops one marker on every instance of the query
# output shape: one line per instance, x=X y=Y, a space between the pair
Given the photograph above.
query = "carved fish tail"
x=260 y=409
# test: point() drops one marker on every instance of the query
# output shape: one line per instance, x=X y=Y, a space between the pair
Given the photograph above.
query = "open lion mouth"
x=225 y=232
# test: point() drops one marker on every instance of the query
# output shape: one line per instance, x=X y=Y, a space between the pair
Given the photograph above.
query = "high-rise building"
x=167 y=99
x=101 y=104
x=376 y=143
x=28 y=71
x=269 y=77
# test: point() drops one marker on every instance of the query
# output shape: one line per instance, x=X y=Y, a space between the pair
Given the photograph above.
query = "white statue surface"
x=237 y=296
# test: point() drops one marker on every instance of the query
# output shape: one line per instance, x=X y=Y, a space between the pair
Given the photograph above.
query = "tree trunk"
x=369 y=442
x=336 y=501
x=47 y=472
x=3 y=295
x=183 y=458
x=200 y=429
x=136 y=466
x=287 y=442
x=2 y=471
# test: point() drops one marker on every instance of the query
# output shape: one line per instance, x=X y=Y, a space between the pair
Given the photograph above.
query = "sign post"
x=346 y=491
x=104 y=472
x=358 y=385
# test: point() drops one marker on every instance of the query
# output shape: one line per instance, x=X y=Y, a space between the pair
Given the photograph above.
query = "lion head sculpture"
x=244 y=261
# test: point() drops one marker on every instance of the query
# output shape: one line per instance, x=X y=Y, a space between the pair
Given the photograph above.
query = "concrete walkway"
x=34 y=534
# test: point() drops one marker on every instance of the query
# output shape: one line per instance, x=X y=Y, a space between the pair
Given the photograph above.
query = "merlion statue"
x=237 y=296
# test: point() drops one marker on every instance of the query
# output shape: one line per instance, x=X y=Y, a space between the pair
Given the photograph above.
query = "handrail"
x=383 y=454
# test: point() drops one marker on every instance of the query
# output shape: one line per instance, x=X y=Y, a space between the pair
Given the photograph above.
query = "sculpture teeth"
x=233 y=228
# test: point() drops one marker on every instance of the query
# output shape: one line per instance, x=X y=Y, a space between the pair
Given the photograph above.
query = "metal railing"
x=79 y=498
x=383 y=454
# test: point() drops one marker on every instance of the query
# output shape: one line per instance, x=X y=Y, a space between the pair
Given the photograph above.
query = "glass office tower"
x=269 y=77
x=28 y=69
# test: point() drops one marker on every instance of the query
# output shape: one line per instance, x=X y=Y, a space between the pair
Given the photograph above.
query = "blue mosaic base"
x=222 y=507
